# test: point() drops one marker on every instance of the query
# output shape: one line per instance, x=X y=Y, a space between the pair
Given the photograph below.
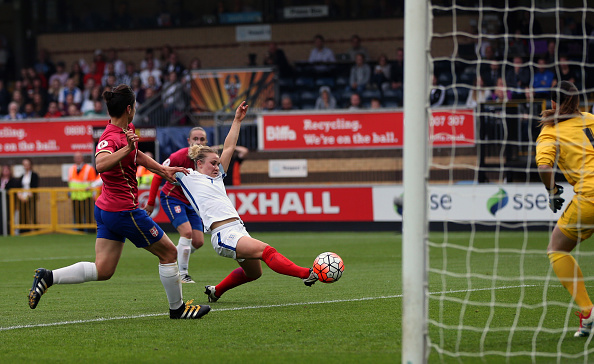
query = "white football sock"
x=76 y=273
x=172 y=283
x=184 y=248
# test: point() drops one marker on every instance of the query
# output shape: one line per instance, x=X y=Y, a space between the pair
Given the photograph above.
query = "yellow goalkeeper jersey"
x=572 y=142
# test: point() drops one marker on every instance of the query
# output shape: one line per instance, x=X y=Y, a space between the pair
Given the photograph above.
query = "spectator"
x=437 y=94
x=97 y=111
x=491 y=74
x=356 y=48
x=37 y=89
x=276 y=57
x=53 y=111
x=88 y=89
x=60 y=74
x=27 y=201
x=375 y=103
x=151 y=69
x=325 y=101
x=517 y=78
x=382 y=73
x=397 y=76
x=73 y=110
x=360 y=74
x=138 y=90
x=501 y=94
x=518 y=45
x=152 y=83
x=122 y=18
x=287 y=103
x=321 y=56
x=81 y=177
x=567 y=73
x=270 y=104
x=149 y=55
x=110 y=71
x=173 y=95
x=99 y=61
x=551 y=54
x=6 y=183
x=93 y=74
x=174 y=65
x=478 y=94
x=130 y=73
x=19 y=99
x=355 y=102
x=44 y=65
x=69 y=89
x=13 y=112
x=4 y=98
x=39 y=104
x=544 y=80
x=88 y=103
x=77 y=75
x=186 y=79
x=29 y=112
x=119 y=67
x=166 y=51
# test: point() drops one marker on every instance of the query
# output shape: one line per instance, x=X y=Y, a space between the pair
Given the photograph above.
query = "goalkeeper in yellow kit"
x=567 y=139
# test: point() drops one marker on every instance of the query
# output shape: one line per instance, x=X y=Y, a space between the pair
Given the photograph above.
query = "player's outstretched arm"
x=166 y=172
x=231 y=139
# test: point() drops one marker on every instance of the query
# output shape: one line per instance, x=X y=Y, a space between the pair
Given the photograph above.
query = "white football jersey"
x=209 y=196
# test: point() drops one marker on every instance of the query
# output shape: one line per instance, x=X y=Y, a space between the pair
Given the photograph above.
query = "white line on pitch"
x=44 y=259
x=101 y=319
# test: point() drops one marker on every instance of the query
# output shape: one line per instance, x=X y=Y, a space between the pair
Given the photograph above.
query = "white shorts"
x=224 y=239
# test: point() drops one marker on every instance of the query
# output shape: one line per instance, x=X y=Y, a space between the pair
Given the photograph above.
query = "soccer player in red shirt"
x=118 y=215
x=177 y=207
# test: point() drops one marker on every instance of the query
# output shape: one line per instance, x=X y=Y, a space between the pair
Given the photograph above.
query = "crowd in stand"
x=323 y=80
x=52 y=90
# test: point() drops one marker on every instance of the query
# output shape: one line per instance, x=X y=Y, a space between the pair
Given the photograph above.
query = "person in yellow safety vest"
x=143 y=175
x=81 y=178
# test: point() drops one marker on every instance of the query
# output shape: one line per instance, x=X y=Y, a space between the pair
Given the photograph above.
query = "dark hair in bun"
x=118 y=99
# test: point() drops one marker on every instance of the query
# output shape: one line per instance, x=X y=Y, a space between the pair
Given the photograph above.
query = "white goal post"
x=415 y=173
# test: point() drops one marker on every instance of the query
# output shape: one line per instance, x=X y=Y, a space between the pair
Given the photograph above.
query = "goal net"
x=491 y=293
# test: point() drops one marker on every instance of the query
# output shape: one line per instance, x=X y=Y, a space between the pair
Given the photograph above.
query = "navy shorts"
x=179 y=212
x=135 y=225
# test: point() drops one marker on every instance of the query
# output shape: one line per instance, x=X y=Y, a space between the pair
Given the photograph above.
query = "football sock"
x=76 y=273
x=236 y=278
x=571 y=277
x=183 y=254
x=281 y=264
x=169 y=274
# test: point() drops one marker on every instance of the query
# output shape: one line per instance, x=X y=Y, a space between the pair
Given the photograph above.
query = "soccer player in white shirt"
x=206 y=192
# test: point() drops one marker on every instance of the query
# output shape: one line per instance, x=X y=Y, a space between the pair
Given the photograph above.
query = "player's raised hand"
x=132 y=139
x=241 y=111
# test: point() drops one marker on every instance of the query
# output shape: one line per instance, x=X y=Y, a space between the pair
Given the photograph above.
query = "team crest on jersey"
x=154 y=231
x=177 y=209
x=167 y=162
x=102 y=144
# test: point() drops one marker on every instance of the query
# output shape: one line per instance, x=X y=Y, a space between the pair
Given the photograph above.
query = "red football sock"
x=280 y=264
x=234 y=279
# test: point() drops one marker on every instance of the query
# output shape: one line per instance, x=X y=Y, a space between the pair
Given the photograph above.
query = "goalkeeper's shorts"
x=577 y=221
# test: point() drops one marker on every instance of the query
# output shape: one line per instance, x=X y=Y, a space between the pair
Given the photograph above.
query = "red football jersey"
x=177 y=159
x=120 y=187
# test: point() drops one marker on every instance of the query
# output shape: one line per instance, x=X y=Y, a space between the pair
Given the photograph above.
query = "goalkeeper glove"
x=555 y=199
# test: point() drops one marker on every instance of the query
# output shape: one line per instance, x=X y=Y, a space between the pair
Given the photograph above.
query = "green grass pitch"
x=276 y=319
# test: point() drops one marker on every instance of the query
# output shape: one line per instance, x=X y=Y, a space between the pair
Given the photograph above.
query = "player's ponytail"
x=118 y=99
x=197 y=152
x=567 y=98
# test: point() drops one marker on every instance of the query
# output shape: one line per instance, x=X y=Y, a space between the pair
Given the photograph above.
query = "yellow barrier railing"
x=50 y=210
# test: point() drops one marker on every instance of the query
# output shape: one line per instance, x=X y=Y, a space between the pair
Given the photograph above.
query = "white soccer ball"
x=329 y=267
